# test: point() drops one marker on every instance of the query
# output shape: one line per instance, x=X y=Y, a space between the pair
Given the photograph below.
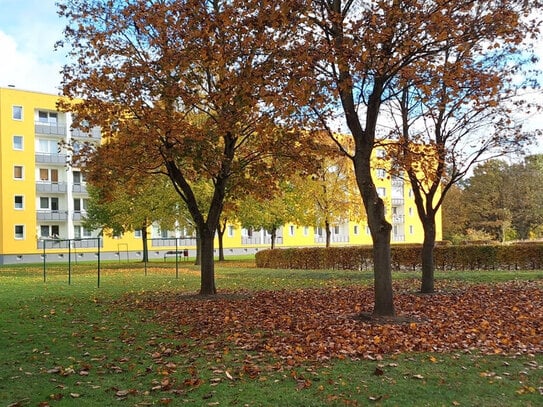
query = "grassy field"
x=79 y=345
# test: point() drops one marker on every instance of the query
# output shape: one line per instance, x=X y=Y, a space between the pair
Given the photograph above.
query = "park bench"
x=170 y=253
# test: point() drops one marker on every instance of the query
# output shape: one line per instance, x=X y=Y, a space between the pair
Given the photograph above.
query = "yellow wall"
x=9 y=216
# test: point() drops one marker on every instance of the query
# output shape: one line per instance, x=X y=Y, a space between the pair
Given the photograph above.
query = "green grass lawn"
x=79 y=345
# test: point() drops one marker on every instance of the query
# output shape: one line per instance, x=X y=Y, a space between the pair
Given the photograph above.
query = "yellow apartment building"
x=43 y=199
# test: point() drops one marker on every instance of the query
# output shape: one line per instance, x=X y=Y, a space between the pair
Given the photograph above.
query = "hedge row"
x=407 y=257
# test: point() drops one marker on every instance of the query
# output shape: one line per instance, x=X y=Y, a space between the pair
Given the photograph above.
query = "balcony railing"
x=58 y=129
x=397 y=201
x=51 y=187
x=251 y=240
x=77 y=243
x=79 y=215
x=79 y=188
x=333 y=239
x=94 y=134
x=47 y=158
x=46 y=215
x=398 y=218
x=171 y=241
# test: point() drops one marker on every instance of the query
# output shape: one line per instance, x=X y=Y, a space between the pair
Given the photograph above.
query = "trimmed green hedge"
x=407 y=257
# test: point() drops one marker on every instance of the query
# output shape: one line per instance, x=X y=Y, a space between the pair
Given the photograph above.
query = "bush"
x=526 y=255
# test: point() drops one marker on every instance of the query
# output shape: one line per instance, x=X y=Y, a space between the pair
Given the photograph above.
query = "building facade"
x=43 y=198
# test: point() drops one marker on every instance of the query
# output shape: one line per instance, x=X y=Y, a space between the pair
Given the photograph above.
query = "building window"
x=137 y=233
x=411 y=229
x=50 y=175
x=382 y=192
x=19 y=232
x=47 y=146
x=230 y=231
x=336 y=230
x=410 y=211
x=47 y=117
x=355 y=230
x=49 y=231
x=17 y=142
x=381 y=173
x=292 y=230
x=380 y=153
x=17 y=113
x=80 y=204
x=306 y=230
x=410 y=193
x=19 y=202
x=18 y=171
x=368 y=231
x=78 y=177
x=87 y=233
x=77 y=232
x=49 y=203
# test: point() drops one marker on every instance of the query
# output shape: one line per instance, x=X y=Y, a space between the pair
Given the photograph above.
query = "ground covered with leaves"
x=319 y=324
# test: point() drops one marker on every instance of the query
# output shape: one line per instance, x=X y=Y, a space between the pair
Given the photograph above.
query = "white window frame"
x=15 y=146
x=138 y=234
x=380 y=153
x=22 y=202
x=381 y=173
x=382 y=192
x=411 y=230
x=22 y=167
x=17 y=112
x=230 y=230
x=47 y=118
x=19 y=236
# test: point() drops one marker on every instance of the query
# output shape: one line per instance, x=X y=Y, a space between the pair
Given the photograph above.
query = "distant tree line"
x=500 y=202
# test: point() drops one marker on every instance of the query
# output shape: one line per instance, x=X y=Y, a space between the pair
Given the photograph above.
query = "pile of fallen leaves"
x=318 y=324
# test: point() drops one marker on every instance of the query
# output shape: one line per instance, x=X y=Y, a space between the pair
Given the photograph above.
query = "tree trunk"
x=207 y=275
x=220 y=235
x=198 y=258
x=428 y=265
x=328 y=233
x=273 y=234
x=145 y=244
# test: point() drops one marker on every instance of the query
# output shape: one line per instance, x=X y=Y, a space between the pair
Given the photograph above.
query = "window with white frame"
x=137 y=233
x=380 y=153
x=382 y=192
x=49 y=231
x=18 y=172
x=230 y=231
x=17 y=113
x=78 y=177
x=49 y=175
x=411 y=229
x=50 y=203
x=381 y=173
x=410 y=211
x=47 y=117
x=18 y=143
x=368 y=231
x=19 y=232
x=81 y=204
x=336 y=230
x=47 y=146
x=19 y=202
x=306 y=230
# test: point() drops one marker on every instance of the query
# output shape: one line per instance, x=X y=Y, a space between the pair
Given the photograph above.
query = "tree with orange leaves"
x=357 y=51
x=461 y=107
x=187 y=88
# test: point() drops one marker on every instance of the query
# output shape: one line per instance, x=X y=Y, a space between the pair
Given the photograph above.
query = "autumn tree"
x=189 y=88
x=357 y=51
x=331 y=192
x=287 y=204
x=124 y=207
x=455 y=108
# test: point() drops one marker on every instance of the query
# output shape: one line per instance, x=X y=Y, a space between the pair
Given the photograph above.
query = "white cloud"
x=27 y=70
